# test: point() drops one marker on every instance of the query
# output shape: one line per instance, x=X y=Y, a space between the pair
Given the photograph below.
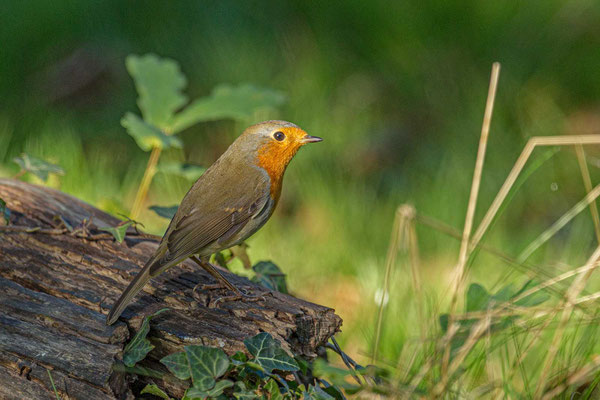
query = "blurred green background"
x=396 y=89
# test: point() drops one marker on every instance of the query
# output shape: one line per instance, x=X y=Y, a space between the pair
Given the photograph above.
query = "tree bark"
x=56 y=286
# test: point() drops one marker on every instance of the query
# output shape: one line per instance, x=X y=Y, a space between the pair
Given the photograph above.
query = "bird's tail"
x=134 y=288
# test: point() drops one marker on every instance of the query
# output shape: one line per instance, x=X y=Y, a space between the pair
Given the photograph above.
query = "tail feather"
x=134 y=288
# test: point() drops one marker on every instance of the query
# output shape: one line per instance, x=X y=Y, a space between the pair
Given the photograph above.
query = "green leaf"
x=273 y=389
x=226 y=101
x=268 y=353
x=315 y=392
x=139 y=346
x=148 y=136
x=165 y=212
x=188 y=171
x=242 y=393
x=4 y=212
x=206 y=365
x=239 y=358
x=178 y=364
x=270 y=276
x=533 y=299
x=155 y=390
x=118 y=231
x=477 y=298
x=196 y=393
x=159 y=83
x=39 y=168
x=337 y=376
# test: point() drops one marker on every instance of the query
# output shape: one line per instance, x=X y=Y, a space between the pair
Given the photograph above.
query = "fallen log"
x=59 y=275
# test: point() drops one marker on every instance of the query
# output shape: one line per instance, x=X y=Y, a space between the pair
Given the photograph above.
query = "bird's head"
x=273 y=144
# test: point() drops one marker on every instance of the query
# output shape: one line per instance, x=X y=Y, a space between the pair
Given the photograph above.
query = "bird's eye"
x=279 y=136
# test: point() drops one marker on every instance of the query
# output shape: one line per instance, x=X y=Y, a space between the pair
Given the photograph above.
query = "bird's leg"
x=208 y=267
x=222 y=281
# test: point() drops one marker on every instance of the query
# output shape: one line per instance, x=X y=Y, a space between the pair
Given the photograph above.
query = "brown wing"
x=198 y=230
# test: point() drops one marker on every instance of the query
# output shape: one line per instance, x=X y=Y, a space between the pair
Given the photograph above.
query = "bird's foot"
x=246 y=298
x=237 y=296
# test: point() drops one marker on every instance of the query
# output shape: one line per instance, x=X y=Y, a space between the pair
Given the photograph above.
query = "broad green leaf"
x=139 y=346
x=194 y=393
x=241 y=393
x=4 y=212
x=178 y=364
x=148 y=136
x=156 y=391
x=206 y=365
x=165 y=212
x=273 y=389
x=270 y=276
x=159 y=83
x=226 y=101
x=315 y=392
x=477 y=298
x=188 y=171
x=39 y=168
x=533 y=299
x=268 y=353
x=337 y=376
x=118 y=231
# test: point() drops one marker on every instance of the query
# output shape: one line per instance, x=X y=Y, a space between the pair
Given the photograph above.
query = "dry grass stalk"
x=459 y=270
x=523 y=355
x=518 y=167
x=579 y=377
x=570 y=299
x=409 y=214
x=559 y=224
x=478 y=330
x=587 y=183
x=397 y=229
x=428 y=365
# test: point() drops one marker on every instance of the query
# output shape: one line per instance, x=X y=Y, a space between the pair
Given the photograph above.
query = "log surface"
x=56 y=288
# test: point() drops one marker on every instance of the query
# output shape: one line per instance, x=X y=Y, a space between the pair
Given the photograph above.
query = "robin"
x=230 y=202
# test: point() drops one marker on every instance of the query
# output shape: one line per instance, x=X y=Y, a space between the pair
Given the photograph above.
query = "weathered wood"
x=57 y=286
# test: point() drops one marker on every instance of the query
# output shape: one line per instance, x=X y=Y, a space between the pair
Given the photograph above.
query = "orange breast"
x=274 y=158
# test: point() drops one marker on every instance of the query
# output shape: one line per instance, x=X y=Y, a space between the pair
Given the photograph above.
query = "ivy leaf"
x=206 y=365
x=148 y=136
x=4 y=212
x=37 y=167
x=242 y=393
x=118 y=231
x=270 y=276
x=194 y=393
x=315 y=392
x=268 y=353
x=188 y=171
x=159 y=83
x=226 y=101
x=139 y=346
x=178 y=364
x=165 y=212
x=273 y=389
x=156 y=391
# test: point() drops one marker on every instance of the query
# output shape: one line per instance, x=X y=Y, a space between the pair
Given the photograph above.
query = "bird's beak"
x=310 y=139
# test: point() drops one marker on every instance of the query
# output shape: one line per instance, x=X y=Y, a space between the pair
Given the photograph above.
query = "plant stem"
x=142 y=192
